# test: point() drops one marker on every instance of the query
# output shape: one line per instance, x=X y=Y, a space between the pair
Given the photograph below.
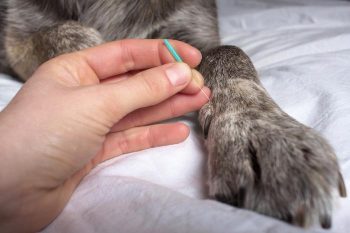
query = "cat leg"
x=194 y=22
x=25 y=52
x=260 y=158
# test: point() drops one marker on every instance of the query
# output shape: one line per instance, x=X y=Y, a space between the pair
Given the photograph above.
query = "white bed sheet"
x=302 y=52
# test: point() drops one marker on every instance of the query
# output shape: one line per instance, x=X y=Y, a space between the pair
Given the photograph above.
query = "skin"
x=259 y=157
x=71 y=115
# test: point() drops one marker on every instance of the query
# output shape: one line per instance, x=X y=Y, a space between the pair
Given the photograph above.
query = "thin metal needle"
x=178 y=59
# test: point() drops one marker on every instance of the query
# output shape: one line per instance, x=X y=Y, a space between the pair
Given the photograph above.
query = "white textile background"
x=302 y=52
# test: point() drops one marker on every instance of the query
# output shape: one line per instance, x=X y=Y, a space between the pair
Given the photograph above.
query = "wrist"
x=27 y=202
x=11 y=187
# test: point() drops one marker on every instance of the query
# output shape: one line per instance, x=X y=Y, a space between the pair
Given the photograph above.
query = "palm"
x=78 y=111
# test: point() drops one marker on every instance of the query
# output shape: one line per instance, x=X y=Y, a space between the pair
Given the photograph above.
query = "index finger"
x=118 y=57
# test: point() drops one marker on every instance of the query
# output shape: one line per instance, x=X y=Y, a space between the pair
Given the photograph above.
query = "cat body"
x=260 y=158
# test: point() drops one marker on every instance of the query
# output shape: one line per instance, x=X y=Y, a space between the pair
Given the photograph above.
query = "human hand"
x=80 y=109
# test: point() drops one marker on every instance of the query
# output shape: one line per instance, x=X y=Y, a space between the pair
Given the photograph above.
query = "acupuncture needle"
x=177 y=57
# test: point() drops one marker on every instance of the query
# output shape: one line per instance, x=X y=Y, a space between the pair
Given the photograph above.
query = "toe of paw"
x=235 y=199
x=227 y=192
x=326 y=221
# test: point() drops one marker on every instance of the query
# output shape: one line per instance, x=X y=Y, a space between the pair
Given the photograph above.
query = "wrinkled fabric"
x=301 y=50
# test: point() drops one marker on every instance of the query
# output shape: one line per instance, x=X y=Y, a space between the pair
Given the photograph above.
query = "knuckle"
x=124 y=144
x=128 y=59
x=172 y=108
x=152 y=86
x=149 y=137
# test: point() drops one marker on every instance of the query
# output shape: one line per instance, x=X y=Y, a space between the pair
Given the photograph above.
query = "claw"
x=326 y=221
x=235 y=200
x=254 y=162
x=205 y=117
x=341 y=186
x=238 y=199
x=288 y=218
x=206 y=127
x=299 y=218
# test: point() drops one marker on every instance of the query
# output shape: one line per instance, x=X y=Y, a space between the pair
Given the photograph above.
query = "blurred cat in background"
x=260 y=158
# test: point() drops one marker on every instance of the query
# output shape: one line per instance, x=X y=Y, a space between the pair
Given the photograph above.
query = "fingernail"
x=197 y=77
x=178 y=74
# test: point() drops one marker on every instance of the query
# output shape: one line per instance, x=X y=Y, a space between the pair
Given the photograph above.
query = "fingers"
x=193 y=87
x=120 y=57
x=142 y=138
x=132 y=140
x=196 y=83
x=145 y=89
x=176 y=106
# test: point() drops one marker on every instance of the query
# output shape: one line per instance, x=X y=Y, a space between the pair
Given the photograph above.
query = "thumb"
x=147 y=88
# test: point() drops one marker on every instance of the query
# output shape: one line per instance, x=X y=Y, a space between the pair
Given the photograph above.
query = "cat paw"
x=272 y=165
